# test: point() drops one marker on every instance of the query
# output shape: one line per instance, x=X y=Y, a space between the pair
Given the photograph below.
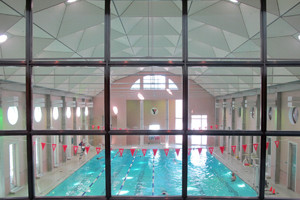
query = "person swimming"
x=233 y=177
x=164 y=192
x=99 y=158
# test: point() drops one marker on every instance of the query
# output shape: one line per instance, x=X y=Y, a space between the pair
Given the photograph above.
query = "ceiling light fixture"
x=234 y=1
x=140 y=96
x=3 y=38
x=71 y=1
x=298 y=37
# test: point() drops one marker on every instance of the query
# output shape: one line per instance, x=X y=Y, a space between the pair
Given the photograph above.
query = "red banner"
x=98 y=149
x=93 y=126
x=65 y=147
x=255 y=146
x=177 y=151
x=98 y=127
x=121 y=151
x=277 y=144
x=267 y=145
x=53 y=147
x=166 y=151
x=144 y=151
x=211 y=149
x=87 y=149
x=33 y=143
x=199 y=150
x=75 y=149
x=132 y=151
x=244 y=147
x=43 y=145
x=233 y=148
x=189 y=151
x=154 y=151
x=222 y=149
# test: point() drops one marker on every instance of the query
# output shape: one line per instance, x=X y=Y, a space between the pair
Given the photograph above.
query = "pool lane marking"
x=97 y=177
x=127 y=173
x=153 y=177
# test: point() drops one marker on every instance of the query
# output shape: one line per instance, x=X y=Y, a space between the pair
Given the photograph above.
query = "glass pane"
x=12 y=29
x=224 y=98
x=223 y=166
x=224 y=29
x=142 y=98
x=283 y=29
x=75 y=29
x=145 y=165
x=68 y=98
x=283 y=98
x=14 y=172
x=146 y=29
x=12 y=98
x=69 y=165
x=282 y=177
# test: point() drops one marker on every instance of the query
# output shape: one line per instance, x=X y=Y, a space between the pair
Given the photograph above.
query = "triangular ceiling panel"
x=7 y=21
x=198 y=49
x=233 y=40
x=285 y=6
x=220 y=53
x=45 y=4
x=272 y=7
x=92 y=36
x=99 y=51
x=52 y=26
x=76 y=19
x=119 y=6
x=175 y=22
x=224 y=15
x=197 y=6
x=280 y=28
x=293 y=21
x=18 y=29
x=289 y=47
x=58 y=46
x=210 y=35
x=98 y=3
x=9 y=49
x=251 y=18
x=72 y=40
x=39 y=33
x=87 y=52
x=248 y=46
x=4 y=9
x=130 y=22
x=18 y=5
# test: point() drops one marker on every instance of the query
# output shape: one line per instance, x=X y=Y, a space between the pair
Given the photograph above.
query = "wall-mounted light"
x=71 y=1
x=37 y=114
x=234 y=1
x=86 y=111
x=55 y=113
x=12 y=115
x=115 y=110
x=68 y=112
x=140 y=96
x=78 y=112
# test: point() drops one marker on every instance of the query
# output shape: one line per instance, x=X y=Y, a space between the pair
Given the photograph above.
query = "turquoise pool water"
x=153 y=176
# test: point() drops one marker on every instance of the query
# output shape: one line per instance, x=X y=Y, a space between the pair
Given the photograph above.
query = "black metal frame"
x=263 y=63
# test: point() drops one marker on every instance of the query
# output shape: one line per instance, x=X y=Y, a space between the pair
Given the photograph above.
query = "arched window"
x=154 y=82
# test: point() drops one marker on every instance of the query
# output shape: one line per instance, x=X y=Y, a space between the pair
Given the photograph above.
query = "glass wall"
x=147 y=98
x=69 y=165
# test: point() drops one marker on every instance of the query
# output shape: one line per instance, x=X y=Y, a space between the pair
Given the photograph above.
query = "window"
x=199 y=122
x=156 y=82
x=13 y=166
x=12 y=115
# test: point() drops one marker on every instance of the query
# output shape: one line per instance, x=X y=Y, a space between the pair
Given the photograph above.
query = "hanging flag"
x=33 y=143
x=65 y=147
x=222 y=149
x=144 y=151
x=98 y=127
x=87 y=149
x=255 y=146
x=267 y=145
x=199 y=150
x=233 y=147
x=75 y=149
x=98 y=149
x=177 y=151
x=189 y=151
x=132 y=151
x=93 y=126
x=166 y=151
x=154 y=151
x=43 y=145
x=277 y=144
x=244 y=147
x=121 y=151
x=53 y=146
x=211 y=149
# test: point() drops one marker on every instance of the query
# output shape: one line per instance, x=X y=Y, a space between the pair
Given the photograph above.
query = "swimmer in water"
x=233 y=178
x=164 y=193
x=99 y=158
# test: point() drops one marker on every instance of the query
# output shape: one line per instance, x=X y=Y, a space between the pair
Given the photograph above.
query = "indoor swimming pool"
x=140 y=175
